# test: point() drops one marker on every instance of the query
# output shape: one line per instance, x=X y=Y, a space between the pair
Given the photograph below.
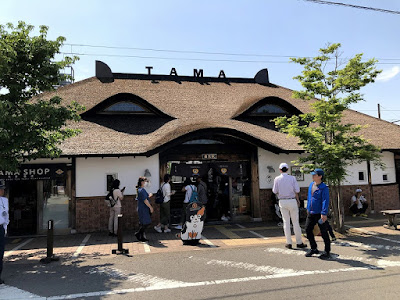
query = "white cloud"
x=388 y=74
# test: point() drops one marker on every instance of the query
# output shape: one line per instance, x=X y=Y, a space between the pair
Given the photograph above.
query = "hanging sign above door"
x=209 y=156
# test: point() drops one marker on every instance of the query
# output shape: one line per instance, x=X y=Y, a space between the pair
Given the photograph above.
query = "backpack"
x=195 y=196
x=160 y=195
x=110 y=199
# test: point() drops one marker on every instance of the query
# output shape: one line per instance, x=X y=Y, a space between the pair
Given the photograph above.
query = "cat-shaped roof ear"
x=201 y=211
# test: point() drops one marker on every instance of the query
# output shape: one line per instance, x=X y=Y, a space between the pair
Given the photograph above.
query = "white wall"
x=268 y=159
x=376 y=174
x=91 y=174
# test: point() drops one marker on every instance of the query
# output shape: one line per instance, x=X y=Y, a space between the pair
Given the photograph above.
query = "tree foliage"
x=31 y=126
x=328 y=141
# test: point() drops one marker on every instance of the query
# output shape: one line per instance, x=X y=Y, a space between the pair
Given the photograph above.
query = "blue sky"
x=284 y=27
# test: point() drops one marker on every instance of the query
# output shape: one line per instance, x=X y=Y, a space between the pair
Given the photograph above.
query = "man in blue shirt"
x=317 y=211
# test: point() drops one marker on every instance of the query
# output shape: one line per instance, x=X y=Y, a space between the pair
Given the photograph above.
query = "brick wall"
x=386 y=197
x=92 y=214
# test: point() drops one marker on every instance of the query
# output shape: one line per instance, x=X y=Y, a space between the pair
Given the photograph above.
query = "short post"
x=50 y=244
x=120 y=249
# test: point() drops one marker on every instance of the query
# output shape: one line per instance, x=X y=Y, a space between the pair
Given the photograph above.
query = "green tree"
x=328 y=141
x=31 y=126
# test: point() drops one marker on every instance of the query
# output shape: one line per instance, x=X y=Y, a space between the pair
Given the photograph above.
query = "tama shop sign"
x=35 y=172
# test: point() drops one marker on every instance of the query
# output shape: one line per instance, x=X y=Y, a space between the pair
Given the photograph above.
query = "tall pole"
x=379 y=111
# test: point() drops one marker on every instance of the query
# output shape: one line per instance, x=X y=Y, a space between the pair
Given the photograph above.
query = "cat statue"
x=192 y=229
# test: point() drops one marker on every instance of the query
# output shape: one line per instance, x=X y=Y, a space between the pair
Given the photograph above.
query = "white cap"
x=358 y=190
x=283 y=165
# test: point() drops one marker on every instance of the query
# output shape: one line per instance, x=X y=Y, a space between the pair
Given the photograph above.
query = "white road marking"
x=240 y=226
x=373 y=247
x=146 y=248
x=374 y=263
x=179 y=284
x=82 y=245
x=8 y=253
x=13 y=293
x=251 y=267
x=207 y=241
x=373 y=234
x=257 y=234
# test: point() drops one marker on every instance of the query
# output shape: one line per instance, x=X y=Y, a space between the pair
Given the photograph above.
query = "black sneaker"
x=302 y=245
x=325 y=256
x=138 y=236
x=1 y=281
x=289 y=246
x=311 y=252
x=110 y=234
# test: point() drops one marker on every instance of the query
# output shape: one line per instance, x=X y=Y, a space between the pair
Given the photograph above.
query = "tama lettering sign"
x=34 y=172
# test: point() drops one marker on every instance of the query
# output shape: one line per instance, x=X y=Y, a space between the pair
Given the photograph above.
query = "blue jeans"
x=2 y=245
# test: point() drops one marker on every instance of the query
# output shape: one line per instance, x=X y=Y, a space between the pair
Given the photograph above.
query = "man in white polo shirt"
x=287 y=191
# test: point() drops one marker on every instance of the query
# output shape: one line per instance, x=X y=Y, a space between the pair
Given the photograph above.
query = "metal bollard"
x=50 y=244
x=120 y=249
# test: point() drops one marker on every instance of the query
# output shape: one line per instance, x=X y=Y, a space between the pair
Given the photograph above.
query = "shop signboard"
x=35 y=172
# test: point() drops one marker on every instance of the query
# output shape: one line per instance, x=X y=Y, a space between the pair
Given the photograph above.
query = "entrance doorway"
x=228 y=187
x=226 y=163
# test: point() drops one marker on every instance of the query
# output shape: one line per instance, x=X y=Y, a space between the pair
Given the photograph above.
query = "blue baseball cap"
x=318 y=172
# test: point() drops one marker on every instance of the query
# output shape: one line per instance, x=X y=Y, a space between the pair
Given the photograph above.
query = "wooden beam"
x=255 y=187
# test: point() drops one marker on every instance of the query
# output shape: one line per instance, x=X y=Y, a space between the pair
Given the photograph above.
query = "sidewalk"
x=221 y=236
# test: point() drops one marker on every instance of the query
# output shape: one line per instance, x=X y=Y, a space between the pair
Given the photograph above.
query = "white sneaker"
x=223 y=218
x=167 y=230
x=179 y=227
x=158 y=229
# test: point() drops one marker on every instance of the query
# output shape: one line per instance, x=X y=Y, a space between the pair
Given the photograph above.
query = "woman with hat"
x=359 y=204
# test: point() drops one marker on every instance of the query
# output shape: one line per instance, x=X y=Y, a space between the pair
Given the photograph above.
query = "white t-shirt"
x=166 y=189
x=189 y=189
x=360 y=204
x=118 y=194
x=4 y=220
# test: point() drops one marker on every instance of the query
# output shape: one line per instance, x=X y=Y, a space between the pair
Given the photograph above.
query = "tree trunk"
x=338 y=208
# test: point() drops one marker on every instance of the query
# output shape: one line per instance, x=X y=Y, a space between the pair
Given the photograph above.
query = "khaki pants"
x=113 y=220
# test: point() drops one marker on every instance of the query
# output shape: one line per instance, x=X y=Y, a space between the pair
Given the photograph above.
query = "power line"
x=356 y=6
x=196 y=52
x=193 y=59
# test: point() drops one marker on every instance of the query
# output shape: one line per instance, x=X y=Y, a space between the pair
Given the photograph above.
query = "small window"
x=109 y=180
x=269 y=109
x=385 y=177
x=125 y=107
x=361 y=176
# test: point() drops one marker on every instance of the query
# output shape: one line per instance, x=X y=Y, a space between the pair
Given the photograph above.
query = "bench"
x=391 y=215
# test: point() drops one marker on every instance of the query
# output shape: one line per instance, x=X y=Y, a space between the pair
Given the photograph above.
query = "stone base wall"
x=92 y=214
x=385 y=197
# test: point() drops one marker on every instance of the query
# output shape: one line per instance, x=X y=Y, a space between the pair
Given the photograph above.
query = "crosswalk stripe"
x=228 y=233
x=8 y=253
x=81 y=246
x=207 y=241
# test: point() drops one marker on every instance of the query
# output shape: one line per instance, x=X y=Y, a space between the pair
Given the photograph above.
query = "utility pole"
x=379 y=111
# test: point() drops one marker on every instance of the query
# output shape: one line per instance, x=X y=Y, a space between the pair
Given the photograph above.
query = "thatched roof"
x=192 y=106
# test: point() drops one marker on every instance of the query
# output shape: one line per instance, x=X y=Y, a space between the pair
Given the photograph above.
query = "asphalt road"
x=363 y=267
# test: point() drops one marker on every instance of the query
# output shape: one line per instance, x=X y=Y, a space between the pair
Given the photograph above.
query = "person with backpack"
x=144 y=208
x=114 y=197
x=190 y=196
x=165 y=206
